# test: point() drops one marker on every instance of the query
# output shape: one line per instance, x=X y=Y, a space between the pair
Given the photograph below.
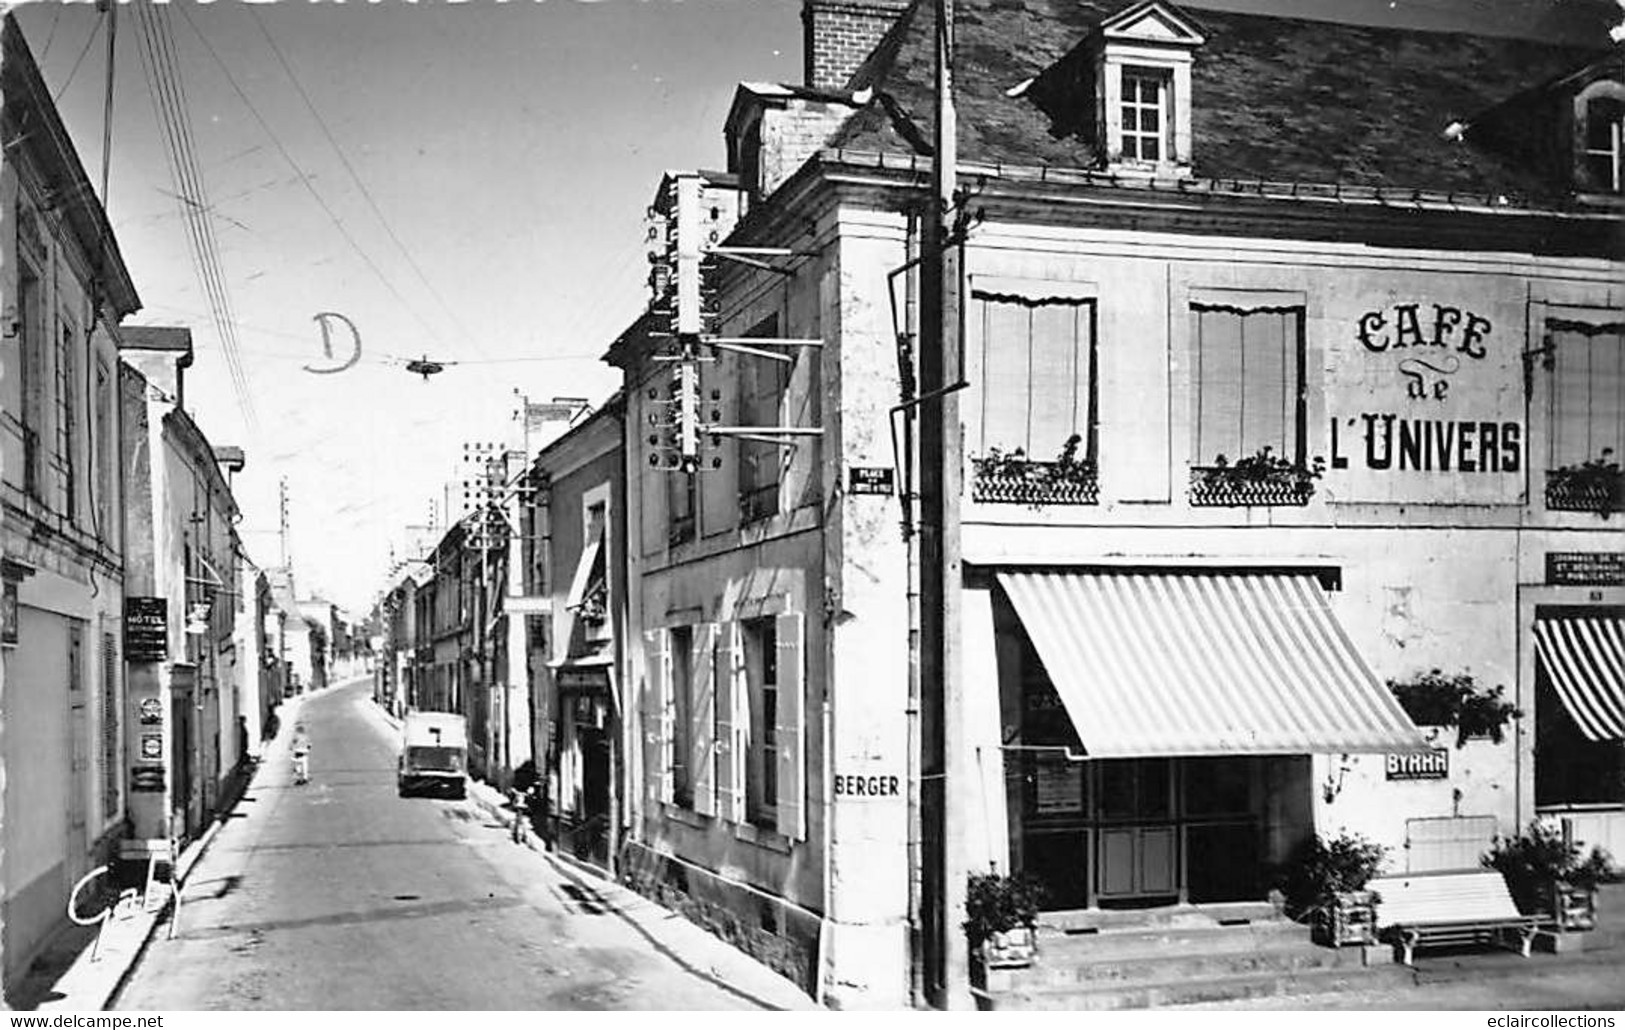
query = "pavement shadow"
x=587 y=889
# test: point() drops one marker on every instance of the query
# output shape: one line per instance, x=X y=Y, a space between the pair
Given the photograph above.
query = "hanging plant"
x=1596 y=485
x=1435 y=699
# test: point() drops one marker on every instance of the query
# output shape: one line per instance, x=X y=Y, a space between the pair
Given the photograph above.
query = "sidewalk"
x=68 y=976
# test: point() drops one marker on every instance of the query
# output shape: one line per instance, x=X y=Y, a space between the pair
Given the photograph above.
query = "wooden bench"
x=1430 y=909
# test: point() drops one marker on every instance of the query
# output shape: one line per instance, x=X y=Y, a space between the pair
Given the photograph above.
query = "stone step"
x=1052 y=970
x=1196 y=990
x=1159 y=941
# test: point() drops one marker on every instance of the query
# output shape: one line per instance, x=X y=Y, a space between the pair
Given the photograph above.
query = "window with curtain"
x=1588 y=392
x=1038 y=373
x=1249 y=383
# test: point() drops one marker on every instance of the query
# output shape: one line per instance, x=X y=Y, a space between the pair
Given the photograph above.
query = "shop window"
x=1039 y=390
x=1249 y=387
x=1587 y=419
x=764 y=384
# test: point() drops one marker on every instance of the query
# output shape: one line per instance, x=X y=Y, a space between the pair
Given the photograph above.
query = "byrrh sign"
x=1416 y=765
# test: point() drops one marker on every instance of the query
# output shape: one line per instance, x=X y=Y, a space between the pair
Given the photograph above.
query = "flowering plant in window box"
x=1261 y=478
x=1010 y=477
x=1596 y=485
x=1435 y=699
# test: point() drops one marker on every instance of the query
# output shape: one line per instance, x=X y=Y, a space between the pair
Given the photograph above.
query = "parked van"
x=434 y=754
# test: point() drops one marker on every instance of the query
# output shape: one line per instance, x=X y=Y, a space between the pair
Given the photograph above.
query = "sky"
x=462 y=181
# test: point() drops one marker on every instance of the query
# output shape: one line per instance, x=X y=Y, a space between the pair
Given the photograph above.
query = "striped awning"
x=1584 y=659
x=1209 y=663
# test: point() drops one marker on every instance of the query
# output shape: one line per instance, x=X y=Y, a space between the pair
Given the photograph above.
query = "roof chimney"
x=837 y=35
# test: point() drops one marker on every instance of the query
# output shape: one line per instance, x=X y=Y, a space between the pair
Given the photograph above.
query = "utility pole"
x=941 y=475
x=282 y=520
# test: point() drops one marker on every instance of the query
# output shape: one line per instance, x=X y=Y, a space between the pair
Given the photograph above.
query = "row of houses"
x=141 y=652
x=1292 y=382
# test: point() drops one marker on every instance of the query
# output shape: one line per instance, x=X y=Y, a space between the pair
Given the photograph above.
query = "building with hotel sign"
x=1294 y=367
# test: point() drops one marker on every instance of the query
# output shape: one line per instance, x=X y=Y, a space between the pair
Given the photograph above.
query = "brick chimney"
x=837 y=35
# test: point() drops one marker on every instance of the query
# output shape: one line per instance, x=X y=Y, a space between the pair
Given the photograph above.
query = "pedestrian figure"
x=301 y=754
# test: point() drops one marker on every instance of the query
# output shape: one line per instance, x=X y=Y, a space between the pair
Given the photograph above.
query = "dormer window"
x=1143 y=89
x=1605 y=119
x=1599 y=123
x=1145 y=115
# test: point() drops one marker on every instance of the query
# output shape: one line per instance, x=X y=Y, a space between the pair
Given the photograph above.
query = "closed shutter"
x=112 y=761
x=702 y=715
x=733 y=719
x=657 y=714
x=790 y=727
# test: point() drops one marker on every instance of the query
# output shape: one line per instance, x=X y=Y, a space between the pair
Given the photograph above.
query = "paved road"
x=340 y=895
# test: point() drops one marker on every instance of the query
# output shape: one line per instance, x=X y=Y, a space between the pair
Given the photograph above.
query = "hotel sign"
x=146 y=629
x=1585 y=569
x=1431 y=765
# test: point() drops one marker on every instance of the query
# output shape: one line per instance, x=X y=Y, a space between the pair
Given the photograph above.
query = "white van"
x=434 y=754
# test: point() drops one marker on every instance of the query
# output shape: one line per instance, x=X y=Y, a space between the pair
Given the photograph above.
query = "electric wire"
x=356 y=178
x=201 y=202
x=95 y=29
x=305 y=180
x=56 y=16
x=169 y=101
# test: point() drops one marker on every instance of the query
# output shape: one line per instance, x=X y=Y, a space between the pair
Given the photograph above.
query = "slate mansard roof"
x=1277 y=99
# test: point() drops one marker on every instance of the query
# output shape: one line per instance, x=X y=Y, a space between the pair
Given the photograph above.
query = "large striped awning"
x=1208 y=663
x=1584 y=659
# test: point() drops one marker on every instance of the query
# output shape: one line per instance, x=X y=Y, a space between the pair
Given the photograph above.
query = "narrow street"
x=340 y=895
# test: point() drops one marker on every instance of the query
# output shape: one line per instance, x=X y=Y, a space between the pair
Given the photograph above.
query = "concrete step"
x=1196 y=990
x=1182 y=916
x=1051 y=970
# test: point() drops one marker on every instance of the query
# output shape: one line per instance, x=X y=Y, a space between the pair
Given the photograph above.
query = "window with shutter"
x=112 y=761
x=702 y=710
x=657 y=728
x=1588 y=393
x=1038 y=373
x=761 y=677
x=680 y=714
x=732 y=725
x=789 y=718
x=1249 y=383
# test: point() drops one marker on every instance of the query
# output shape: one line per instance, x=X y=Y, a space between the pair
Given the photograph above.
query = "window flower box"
x=1261 y=480
x=1001 y=477
x=1596 y=486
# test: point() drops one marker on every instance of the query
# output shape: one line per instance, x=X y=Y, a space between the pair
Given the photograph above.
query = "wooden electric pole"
x=941 y=478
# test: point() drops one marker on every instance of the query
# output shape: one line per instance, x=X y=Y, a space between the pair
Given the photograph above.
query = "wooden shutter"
x=791 y=735
x=733 y=721
x=658 y=713
x=702 y=681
